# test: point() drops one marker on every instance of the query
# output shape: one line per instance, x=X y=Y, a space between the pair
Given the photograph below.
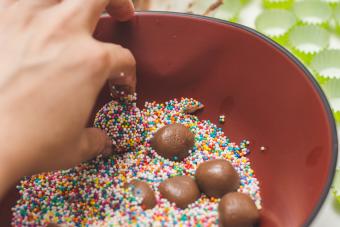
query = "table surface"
x=329 y=215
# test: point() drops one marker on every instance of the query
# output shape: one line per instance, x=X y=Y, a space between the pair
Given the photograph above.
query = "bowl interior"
x=267 y=97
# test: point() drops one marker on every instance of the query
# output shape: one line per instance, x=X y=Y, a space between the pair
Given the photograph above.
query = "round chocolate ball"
x=237 y=209
x=173 y=142
x=143 y=191
x=181 y=190
x=217 y=177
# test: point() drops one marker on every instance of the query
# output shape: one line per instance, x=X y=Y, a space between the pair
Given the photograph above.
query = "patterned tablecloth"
x=329 y=215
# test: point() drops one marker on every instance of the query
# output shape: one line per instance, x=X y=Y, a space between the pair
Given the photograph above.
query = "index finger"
x=122 y=73
x=88 y=12
x=121 y=10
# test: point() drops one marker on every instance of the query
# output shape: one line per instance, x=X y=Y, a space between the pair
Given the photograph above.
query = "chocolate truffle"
x=173 y=142
x=237 y=209
x=181 y=190
x=142 y=190
x=217 y=177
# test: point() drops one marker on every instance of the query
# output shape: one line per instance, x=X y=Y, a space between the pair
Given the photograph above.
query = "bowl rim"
x=307 y=73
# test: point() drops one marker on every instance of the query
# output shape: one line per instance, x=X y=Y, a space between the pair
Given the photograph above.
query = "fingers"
x=28 y=9
x=36 y=5
x=122 y=10
x=122 y=65
x=91 y=143
x=88 y=12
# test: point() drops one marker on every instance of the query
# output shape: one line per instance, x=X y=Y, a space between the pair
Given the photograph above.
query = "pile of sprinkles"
x=95 y=193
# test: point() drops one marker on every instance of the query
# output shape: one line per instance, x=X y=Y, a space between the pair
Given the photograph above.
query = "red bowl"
x=267 y=95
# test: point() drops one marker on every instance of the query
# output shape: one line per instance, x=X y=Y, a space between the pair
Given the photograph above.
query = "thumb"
x=91 y=143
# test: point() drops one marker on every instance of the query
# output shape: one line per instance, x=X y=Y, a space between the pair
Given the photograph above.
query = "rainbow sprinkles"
x=95 y=193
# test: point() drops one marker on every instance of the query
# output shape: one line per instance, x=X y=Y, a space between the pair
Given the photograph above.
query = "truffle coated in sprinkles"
x=93 y=193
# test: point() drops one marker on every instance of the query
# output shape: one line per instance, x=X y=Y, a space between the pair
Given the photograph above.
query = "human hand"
x=51 y=73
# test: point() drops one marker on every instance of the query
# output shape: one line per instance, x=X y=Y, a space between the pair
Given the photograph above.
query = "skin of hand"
x=51 y=72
